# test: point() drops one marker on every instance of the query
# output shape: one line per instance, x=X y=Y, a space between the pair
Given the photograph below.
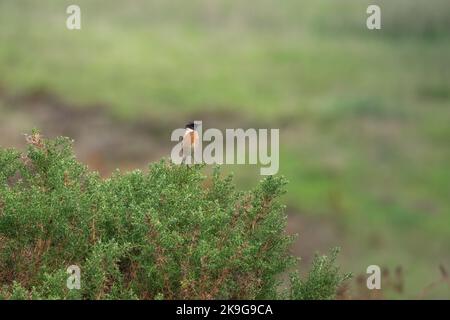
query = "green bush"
x=169 y=233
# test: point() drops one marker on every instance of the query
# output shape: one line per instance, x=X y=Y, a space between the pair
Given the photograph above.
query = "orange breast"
x=190 y=139
x=193 y=137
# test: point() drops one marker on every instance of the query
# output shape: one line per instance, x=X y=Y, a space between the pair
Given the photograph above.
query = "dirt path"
x=102 y=141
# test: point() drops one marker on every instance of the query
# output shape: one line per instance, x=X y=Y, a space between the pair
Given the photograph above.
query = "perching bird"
x=190 y=140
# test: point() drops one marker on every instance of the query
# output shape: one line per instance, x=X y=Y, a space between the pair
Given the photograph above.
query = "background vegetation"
x=363 y=114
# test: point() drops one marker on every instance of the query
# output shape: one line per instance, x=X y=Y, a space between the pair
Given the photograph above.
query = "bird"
x=190 y=140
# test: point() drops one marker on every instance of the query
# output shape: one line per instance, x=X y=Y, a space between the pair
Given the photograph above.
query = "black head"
x=190 y=125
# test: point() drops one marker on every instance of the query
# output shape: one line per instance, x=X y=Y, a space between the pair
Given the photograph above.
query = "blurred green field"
x=364 y=115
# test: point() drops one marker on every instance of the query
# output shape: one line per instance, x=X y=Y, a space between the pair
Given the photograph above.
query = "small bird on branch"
x=190 y=141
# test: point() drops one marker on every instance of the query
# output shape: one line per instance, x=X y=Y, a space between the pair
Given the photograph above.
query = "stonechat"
x=190 y=140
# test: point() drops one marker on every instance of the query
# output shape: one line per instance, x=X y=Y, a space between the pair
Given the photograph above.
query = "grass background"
x=363 y=115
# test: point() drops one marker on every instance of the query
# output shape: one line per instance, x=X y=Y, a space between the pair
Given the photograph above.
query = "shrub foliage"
x=167 y=233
